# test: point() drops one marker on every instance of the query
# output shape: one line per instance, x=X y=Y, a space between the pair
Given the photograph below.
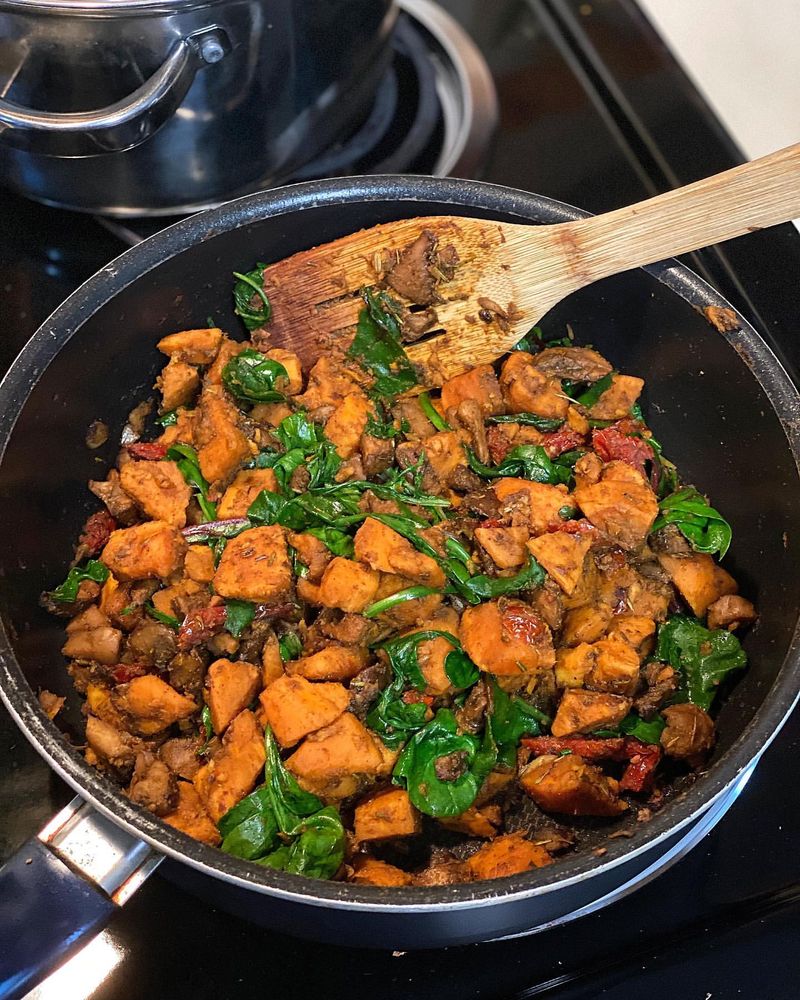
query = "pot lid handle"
x=127 y=122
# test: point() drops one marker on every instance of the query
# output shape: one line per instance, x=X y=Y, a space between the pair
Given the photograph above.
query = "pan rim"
x=67 y=320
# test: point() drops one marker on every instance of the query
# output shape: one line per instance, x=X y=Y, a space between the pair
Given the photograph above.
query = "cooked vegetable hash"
x=342 y=627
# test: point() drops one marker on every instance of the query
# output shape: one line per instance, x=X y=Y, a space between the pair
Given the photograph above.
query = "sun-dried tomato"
x=199 y=626
x=498 y=442
x=590 y=748
x=96 y=532
x=522 y=622
x=581 y=527
x=492 y=522
x=416 y=698
x=641 y=771
x=613 y=444
x=149 y=451
x=558 y=442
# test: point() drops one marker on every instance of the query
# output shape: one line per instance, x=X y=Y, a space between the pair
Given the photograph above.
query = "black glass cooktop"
x=594 y=111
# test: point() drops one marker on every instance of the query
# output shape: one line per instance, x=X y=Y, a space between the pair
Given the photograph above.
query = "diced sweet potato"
x=507 y=638
x=370 y=871
x=475 y=822
x=572 y=665
x=246 y=486
x=507 y=855
x=91 y=637
x=230 y=687
x=221 y=446
x=199 y=564
x=294 y=369
x=178 y=599
x=152 y=549
x=584 y=711
x=190 y=816
x=479 y=383
x=408 y=612
x=386 y=814
x=621 y=504
x=227 y=349
x=294 y=707
x=347 y=423
x=333 y=663
x=182 y=430
x=505 y=546
x=271 y=660
x=152 y=704
x=493 y=784
x=348 y=585
x=343 y=749
x=270 y=413
x=637 y=630
x=699 y=579
x=571 y=786
x=385 y=550
x=585 y=624
x=159 y=489
x=178 y=383
x=233 y=771
x=255 y=566
x=616 y=402
x=527 y=390
x=312 y=553
x=562 y=555
x=444 y=453
x=432 y=653
x=195 y=347
x=543 y=501
x=328 y=383
x=731 y=612
x=616 y=667
x=308 y=591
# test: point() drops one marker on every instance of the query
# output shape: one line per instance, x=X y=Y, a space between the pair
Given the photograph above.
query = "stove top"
x=592 y=110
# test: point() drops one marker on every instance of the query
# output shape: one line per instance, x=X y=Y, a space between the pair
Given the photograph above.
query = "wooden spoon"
x=509 y=276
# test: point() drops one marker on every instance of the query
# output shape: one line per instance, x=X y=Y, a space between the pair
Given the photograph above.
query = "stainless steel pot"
x=131 y=107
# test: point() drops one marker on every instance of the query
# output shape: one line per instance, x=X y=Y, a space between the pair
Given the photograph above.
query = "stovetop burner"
x=434 y=113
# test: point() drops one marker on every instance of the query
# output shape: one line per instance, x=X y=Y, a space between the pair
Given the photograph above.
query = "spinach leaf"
x=535 y=340
x=461 y=671
x=337 y=541
x=168 y=419
x=289 y=800
x=159 y=616
x=648 y=732
x=529 y=461
x=482 y=588
x=185 y=457
x=248 y=287
x=403 y=650
x=702 y=657
x=594 y=392
x=383 y=424
x=416 y=767
x=317 y=850
x=238 y=616
x=511 y=719
x=290 y=646
x=297 y=431
x=667 y=473
x=67 y=591
x=215 y=530
x=249 y=829
x=252 y=377
x=386 y=603
x=430 y=411
x=377 y=345
x=528 y=420
x=705 y=528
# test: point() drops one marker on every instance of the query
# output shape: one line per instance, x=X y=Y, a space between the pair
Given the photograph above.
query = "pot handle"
x=121 y=125
x=61 y=888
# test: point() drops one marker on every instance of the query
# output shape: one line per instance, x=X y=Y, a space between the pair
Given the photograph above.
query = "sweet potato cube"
x=178 y=383
x=348 y=585
x=294 y=707
x=386 y=814
x=159 y=489
x=572 y=665
x=370 y=871
x=507 y=638
x=621 y=504
x=308 y=591
x=637 y=630
x=585 y=624
x=344 y=749
x=475 y=822
x=407 y=612
x=246 y=486
x=699 y=579
x=312 y=553
x=571 y=786
x=233 y=771
x=293 y=366
x=505 y=546
x=255 y=566
x=271 y=660
x=199 y=564
x=479 y=383
x=190 y=817
x=507 y=855
x=562 y=555
x=348 y=422
x=616 y=402
x=444 y=453
x=221 y=446
x=584 y=711
x=527 y=390
x=230 y=687
x=152 y=549
x=543 y=501
x=152 y=704
x=333 y=663
x=383 y=549
x=195 y=347
x=432 y=653
x=228 y=349
x=615 y=669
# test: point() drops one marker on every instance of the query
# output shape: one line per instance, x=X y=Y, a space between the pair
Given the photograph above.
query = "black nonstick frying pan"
x=720 y=403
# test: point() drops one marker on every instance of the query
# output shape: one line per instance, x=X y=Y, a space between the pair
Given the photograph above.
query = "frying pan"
x=720 y=403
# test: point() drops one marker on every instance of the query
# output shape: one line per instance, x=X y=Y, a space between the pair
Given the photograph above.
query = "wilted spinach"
x=290 y=646
x=704 y=658
x=595 y=391
x=337 y=541
x=67 y=591
x=400 y=597
x=431 y=412
x=528 y=420
x=512 y=718
x=238 y=616
x=161 y=617
x=377 y=345
x=529 y=461
x=705 y=528
x=185 y=457
x=248 y=287
x=252 y=377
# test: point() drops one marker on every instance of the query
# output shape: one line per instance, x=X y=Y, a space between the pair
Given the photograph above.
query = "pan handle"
x=122 y=125
x=61 y=888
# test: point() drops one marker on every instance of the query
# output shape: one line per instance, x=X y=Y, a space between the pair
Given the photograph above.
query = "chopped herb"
x=377 y=345
x=252 y=377
x=208 y=730
x=566 y=513
x=703 y=658
x=67 y=591
x=705 y=528
x=250 y=286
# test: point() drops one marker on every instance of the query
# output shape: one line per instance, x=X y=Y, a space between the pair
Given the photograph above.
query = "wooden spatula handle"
x=761 y=193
